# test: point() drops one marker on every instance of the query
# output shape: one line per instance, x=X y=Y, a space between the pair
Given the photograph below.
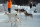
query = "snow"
x=25 y=21
x=1 y=4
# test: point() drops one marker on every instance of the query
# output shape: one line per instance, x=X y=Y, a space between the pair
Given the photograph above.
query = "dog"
x=25 y=12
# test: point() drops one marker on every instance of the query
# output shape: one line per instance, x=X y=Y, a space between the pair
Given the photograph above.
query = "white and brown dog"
x=25 y=12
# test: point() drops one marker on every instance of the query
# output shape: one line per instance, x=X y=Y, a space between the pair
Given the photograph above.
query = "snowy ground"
x=25 y=22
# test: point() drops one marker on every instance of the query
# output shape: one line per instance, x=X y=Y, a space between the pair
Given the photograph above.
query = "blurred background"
x=31 y=6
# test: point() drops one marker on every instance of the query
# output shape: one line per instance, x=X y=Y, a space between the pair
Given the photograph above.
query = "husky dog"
x=25 y=12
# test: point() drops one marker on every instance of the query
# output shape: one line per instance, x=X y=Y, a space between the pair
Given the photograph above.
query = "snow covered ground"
x=25 y=21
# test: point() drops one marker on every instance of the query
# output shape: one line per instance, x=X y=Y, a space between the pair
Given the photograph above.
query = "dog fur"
x=19 y=10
